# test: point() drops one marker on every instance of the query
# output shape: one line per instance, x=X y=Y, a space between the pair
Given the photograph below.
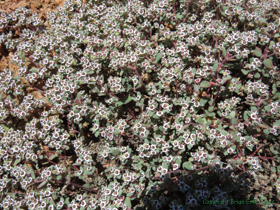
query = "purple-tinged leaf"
x=42 y=184
x=268 y=63
x=257 y=52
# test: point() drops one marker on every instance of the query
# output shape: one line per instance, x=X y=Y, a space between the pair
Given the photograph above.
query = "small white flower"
x=164 y=171
x=254 y=115
x=116 y=172
x=123 y=149
x=181 y=146
x=175 y=166
x=153 y=147
x=159 y=113
x=105 y=154
x=107 y=192
x=126 y=155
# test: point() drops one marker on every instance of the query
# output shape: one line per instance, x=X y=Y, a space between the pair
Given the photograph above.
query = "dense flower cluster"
x=128 y=101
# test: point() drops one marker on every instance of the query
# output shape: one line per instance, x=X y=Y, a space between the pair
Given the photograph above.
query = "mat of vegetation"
x=158 y=104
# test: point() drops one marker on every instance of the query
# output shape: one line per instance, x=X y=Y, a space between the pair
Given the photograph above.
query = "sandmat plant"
x=164 y=104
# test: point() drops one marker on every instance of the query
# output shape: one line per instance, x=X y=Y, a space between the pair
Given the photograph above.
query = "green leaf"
x=155 y=116
x=267 y=108
x=188 y=166
x=235 y=137
x=86 y=185
x=34 y=70
x=254 y=108
x=263 y=126
x=203 y=102
x=225 y=133
x=67 y=200
x=178 y=161
x=42 y=184
x=225 y=79
x=68 y=177
x=129 y=98
x=17 y=161
x=212 y=114
x=96 y=134
x=268 y=63
x=110 y=176
x=119 y=103
x=244 y=71
x=257 y=75
x=271 y=43
x=53 y=156
x=266 y=131
x=165 y=165
x=79 y=96
x=257 y=52
x=245 y=115
x=158 y=57
x=196 y=88
x=262 y=20
x=54 y=196
x=88 y=173
x=232 y=114
x=234 y=121
x=277 y=123
x=127 y=202
x=224 y=52
x=215 y=67
x=201 y=120
x=205 y=84
x=115 y=152
x=239 y=162
x=33 y=174
x=179 y=16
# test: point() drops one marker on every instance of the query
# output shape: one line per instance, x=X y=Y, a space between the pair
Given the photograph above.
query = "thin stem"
x=264 y=158
x=68 y=124
x=256 y=150
x=269 y=192
x=271 y=55
x=52 y=162
x=77 y=185
x=198 y=9
x=109 y=93
x=37 y=89
x=18 y=192
x=132 y=113
x=188 y=5
x=76 y=167
x=135 y=69
x=216 y=97
x=75 y=131
x=217 y=16
x=176 y=88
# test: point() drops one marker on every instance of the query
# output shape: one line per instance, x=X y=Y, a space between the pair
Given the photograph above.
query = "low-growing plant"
x=141 y=105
